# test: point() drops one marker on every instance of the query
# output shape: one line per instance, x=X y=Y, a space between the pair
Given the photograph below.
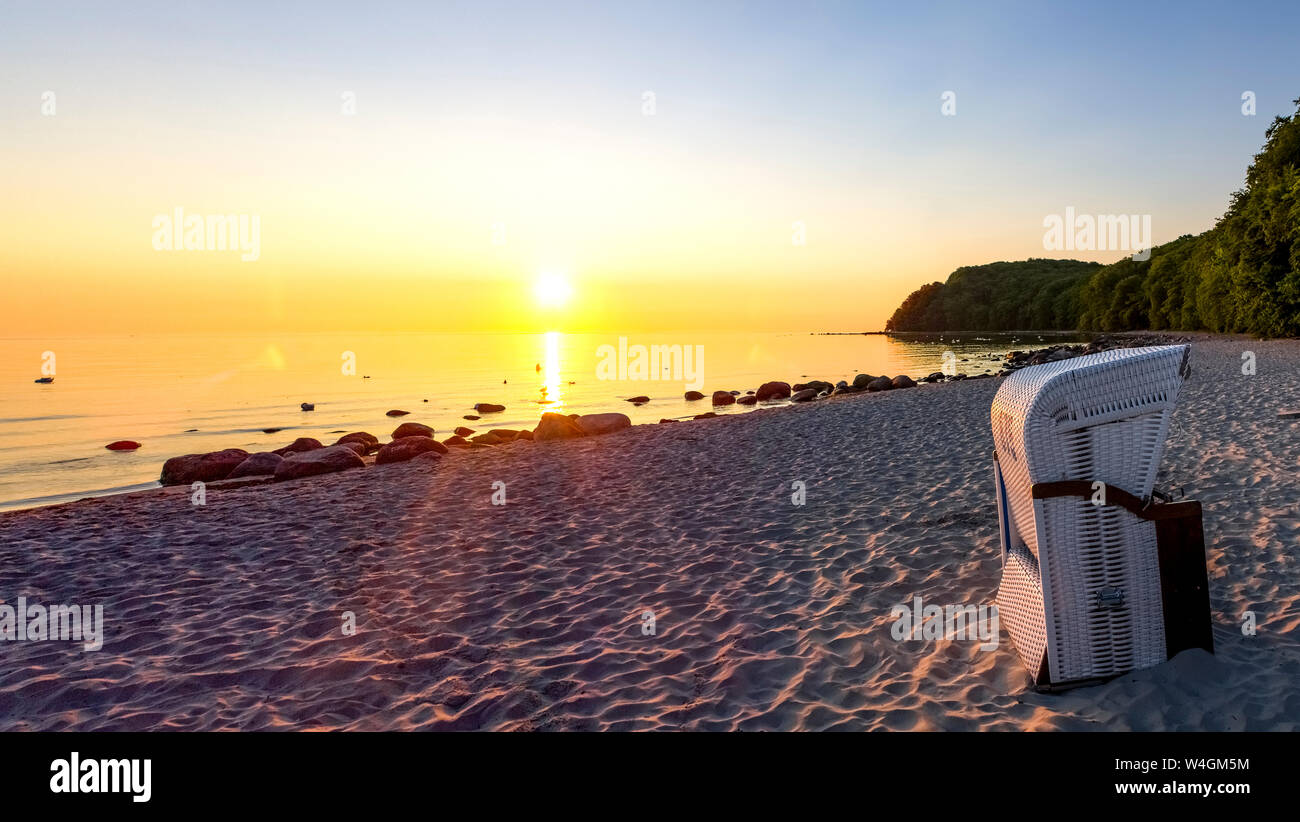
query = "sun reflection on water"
x=552 y=390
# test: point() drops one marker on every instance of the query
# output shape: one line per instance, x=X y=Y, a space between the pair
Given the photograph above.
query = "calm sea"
x=187 y=394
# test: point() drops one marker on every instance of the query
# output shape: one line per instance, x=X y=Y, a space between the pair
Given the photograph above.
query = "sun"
x=552 y=290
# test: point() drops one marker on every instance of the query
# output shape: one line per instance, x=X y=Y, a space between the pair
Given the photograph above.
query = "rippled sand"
x=528 y=616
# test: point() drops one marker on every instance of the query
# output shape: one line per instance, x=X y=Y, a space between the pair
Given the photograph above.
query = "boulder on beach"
x=405 y=448
x=903 y=381
x=123 y=445
x=593 y=424
x=805 y=395
x=937 y=376
x=412 y=429
x=723 y=398
x=462 y=431
x=694 y=395
x=319 y=461
x=456 y=441
x=880 y=384
x=504 y=434
x=360 y=447
x=525 y=435
x=261 y=464
x=861 y=381
x=748 y=399
x=370 y=441
x=554 y=426
x=210 y=467
x=775 y=390
x=488 y=408
x=638 y=400
x=706 y=415
x=397 y=413
x=817 y=386
x=300 y=445
x=489 y=439
x=666 y=420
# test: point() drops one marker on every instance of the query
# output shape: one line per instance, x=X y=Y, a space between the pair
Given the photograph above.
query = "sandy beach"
x=768 y=615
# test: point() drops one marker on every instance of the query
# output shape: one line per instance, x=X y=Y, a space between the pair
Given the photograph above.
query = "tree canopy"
x=1241 y=276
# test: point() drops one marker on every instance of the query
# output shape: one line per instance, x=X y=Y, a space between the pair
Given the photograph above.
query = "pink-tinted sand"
x=529 y=616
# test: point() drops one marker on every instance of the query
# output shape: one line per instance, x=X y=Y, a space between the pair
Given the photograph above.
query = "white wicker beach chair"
x=1081 y=590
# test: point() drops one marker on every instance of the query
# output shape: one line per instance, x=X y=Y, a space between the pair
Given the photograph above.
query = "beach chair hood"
x=1080 y=590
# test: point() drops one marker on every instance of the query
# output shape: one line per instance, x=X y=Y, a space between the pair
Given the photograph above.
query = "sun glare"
x=552 y=290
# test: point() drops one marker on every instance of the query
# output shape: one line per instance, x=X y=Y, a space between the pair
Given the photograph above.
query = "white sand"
x=527 y=616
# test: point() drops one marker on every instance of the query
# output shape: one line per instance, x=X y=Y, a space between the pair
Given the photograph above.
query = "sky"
x=676 y=166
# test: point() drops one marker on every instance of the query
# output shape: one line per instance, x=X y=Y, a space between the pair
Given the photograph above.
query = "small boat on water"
x=45 y=380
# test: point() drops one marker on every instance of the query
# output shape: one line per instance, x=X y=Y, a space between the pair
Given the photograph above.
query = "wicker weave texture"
x=1100 y=418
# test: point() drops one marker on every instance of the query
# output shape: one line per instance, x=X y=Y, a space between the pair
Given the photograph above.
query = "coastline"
x=529 y=615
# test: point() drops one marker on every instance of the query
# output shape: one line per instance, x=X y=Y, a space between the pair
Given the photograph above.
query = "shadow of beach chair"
x=1098 y=577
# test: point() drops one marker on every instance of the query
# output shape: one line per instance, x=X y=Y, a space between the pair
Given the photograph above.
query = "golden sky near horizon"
x=485 y=151
x=452 y=241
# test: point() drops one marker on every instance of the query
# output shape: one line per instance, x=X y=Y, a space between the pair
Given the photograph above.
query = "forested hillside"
x=1243 y=275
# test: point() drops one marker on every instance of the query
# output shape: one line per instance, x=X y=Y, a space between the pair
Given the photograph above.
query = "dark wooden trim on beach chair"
x=1184 y=582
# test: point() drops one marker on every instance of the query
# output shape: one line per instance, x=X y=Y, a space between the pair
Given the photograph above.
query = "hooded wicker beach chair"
x=1097 y=577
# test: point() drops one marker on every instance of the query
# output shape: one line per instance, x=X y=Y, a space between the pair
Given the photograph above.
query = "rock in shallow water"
x=299 y=445
x=123 y=445
x=723 y=398
x=774 y=390
x=370 y=441
x=694 y=395
x=412 y=429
